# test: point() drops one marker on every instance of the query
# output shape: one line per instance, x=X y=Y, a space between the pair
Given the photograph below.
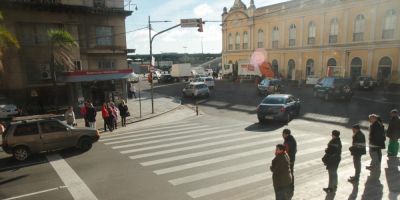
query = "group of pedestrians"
x=282 y=166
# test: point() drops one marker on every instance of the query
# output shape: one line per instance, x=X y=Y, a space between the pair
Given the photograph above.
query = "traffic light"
x=200 y=24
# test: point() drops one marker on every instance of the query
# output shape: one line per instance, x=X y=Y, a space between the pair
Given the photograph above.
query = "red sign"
x=99 y=72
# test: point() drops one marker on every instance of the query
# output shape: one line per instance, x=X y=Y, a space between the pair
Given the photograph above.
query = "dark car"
x=166 y=78
x=333 y=87
x=366 y=82
x=282 y=107
x=269 y=86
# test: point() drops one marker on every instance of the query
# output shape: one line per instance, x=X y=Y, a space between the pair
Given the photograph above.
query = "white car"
x=209 y=81
x=312 y=80
x=196 y=89
x=7 y=109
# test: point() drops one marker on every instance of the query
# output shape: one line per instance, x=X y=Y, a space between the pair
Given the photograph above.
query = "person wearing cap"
x=281 y=177
x=376 y=142
x=357 y=149
x=291 y=149
x=332 y=159
x=393 y=133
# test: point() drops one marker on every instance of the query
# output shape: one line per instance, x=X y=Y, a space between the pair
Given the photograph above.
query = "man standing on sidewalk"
x=291 y=148
x=393 y=133
x=357 y=149
x=376 y=142
x=281 y=177
x=332 y=159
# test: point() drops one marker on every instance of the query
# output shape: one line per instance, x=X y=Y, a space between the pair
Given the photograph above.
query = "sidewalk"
x=162 y=104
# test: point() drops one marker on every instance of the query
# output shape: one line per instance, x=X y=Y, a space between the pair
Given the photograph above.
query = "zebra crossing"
x=222 y=160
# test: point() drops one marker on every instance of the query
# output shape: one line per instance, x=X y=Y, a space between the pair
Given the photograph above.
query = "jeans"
x=393 y=147
x=282 y=193
x=123 y=121
x=357 y=166
x=376 y=157
x=333 y=177
x=92 y=124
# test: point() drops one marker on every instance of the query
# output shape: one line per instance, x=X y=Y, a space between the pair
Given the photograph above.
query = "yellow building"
x=304 y=37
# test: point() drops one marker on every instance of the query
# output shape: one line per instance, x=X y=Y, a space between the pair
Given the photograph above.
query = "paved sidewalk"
x=162 y=104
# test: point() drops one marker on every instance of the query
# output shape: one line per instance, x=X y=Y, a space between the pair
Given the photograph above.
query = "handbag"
x=128 y=113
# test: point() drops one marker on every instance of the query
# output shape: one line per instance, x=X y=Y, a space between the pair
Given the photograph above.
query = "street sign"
x=193 y=22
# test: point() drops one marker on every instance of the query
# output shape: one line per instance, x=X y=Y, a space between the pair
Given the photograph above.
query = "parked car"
x=366 y=82
x=166 y=78
x=7 y=109
x=270 y=86
x=196 y=89
x=282 y=107
x=209 y=81
x=333 y=87
x=312 y=80
x=34 y=134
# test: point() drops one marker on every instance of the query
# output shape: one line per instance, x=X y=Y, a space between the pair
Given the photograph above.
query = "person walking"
x=123 y=112
x=132 y=89
x=393 y=133
x=376 y=142
x=91 y=115
x=111 y=117
x=83 y=112
x=332 y=159
x=106 y=117
x=70 y=116
x=281 y=177
x=291 y=149
x=115 y=114
x=2 y=128
x=357 y=149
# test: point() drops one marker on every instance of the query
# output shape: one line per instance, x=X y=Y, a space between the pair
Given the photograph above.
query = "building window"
x=275 y=37
x=355 y=68
x=99 y=3
x=275 y=68
x=106 y=64
x=389 y=24
x=359 y=23
x=245 y=40
x=334 y=31
x=312 y=31
x=35 y=34
x=331 y=62
x=384 y=68
x=230 y=42
x=291 y=69
x=260 y=43
x=292 y=35
x=104 y=36
x=310 y=67
x=237 y=44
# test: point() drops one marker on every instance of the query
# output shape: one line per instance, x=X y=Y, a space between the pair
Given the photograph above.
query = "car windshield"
x=274 y=100
x=265 y=82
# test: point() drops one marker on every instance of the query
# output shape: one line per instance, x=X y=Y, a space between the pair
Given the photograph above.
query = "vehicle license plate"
x=269 y=117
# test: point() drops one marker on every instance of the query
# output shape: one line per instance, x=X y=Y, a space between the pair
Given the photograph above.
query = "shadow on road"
x=393 y=177
x=264 y=127
x=373 y=187
x=12 y=179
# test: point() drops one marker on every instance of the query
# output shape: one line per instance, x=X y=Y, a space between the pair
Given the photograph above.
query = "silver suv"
x=35 y=134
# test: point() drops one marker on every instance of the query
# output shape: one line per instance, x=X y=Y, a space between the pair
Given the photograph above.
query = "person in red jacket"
x=106 y=116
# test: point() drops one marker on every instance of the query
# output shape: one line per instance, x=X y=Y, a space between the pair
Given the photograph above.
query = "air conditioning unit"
x=45 y=73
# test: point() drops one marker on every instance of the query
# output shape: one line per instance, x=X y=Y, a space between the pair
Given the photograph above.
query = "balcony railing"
x=358 y=37
x=292 y=42
x=230 y=47
x=311 y=40
x=245 y=45
x=237 y=46
x=260 y=44
x=275 y=44
x=388 y=34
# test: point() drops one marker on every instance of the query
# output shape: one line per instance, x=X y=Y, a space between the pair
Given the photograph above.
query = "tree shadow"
x=393 y=177
x=373 y=187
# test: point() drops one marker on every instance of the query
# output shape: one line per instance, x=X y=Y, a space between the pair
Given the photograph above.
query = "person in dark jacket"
x=291 y=149
x=393 y=133
x=123 y=112
x=91 y=115
x=332 y=159
x=376 y=142
x=281 y=177
x=357 y=149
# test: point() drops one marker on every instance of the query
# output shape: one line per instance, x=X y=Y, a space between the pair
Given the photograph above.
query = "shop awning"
x=103 y=75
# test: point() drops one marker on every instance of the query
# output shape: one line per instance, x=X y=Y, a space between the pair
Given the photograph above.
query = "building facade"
x=306 y=37
x=101 y=69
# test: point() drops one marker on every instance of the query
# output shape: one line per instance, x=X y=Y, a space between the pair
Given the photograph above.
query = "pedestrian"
x=332 y=159
x=2 y=128
x=132 y=89
x=357 y=149
x=291 y=149
x=123 y=112
x=111 y=117
x=393 y=133
x=115 y=113
x=106 y=117
x=83 y=112
x=376 y=142
x=281 y=177
x=70 y=116
x=91 y=115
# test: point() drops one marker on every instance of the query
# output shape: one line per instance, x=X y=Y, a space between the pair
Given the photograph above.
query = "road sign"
x=193 y=22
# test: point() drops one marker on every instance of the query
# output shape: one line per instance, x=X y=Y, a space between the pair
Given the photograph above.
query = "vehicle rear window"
x=209 y=79
x=26 y=129
x=274 y=100
x=52 y=126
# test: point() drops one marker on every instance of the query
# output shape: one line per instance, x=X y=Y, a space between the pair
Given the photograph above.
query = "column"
x=321 y=63
x=373 y=24
x=369 y=62
x=346 y=25
x=398 y=67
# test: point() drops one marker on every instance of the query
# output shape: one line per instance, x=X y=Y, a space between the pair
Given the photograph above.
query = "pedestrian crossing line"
x=218 y=159
x=103 y=138
x=214 y=151
x=153 y=135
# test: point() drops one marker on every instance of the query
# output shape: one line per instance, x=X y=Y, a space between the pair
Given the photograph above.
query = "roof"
x=36 y=117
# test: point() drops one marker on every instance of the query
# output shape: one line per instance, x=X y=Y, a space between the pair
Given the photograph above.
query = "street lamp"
x=129 y=5
x=347 y=63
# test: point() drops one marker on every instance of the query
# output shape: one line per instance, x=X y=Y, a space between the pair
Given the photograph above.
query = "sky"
x=178 y=40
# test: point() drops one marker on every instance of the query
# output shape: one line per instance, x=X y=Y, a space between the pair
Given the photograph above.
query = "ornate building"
x=304 y=37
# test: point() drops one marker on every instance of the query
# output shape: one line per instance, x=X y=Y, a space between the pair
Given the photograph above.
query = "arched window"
x=275 y=68
x=292 y=35
x=355 y=68
x=260 y=43
x=275 y=37
x=331 y=62
x=291 y=67
x=237 y=44
x=389 y=24
x=312 y=32
x=310 y=67
x=245 y=40
x=334 y=31
x=359 y=25
x=230 y=42
x=384 y=68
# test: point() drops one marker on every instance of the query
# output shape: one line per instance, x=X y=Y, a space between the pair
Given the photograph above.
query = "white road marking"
x=36 y=193
x=78 y=189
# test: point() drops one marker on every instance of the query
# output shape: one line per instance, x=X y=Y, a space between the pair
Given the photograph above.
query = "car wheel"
x=85 y=144
x=21 y=153
x=288 y=118
x=315 y=94
x=327 y=97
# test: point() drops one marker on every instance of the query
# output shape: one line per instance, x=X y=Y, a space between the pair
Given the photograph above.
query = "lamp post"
x=347 y=67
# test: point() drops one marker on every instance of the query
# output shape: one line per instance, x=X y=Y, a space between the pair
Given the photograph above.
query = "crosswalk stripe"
x=217 y=160
x=155 y=135
x=214 y=151
x=148 y=130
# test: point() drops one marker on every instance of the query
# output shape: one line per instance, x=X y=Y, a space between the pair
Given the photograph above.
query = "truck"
x=244 y=70
x=181 y=71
